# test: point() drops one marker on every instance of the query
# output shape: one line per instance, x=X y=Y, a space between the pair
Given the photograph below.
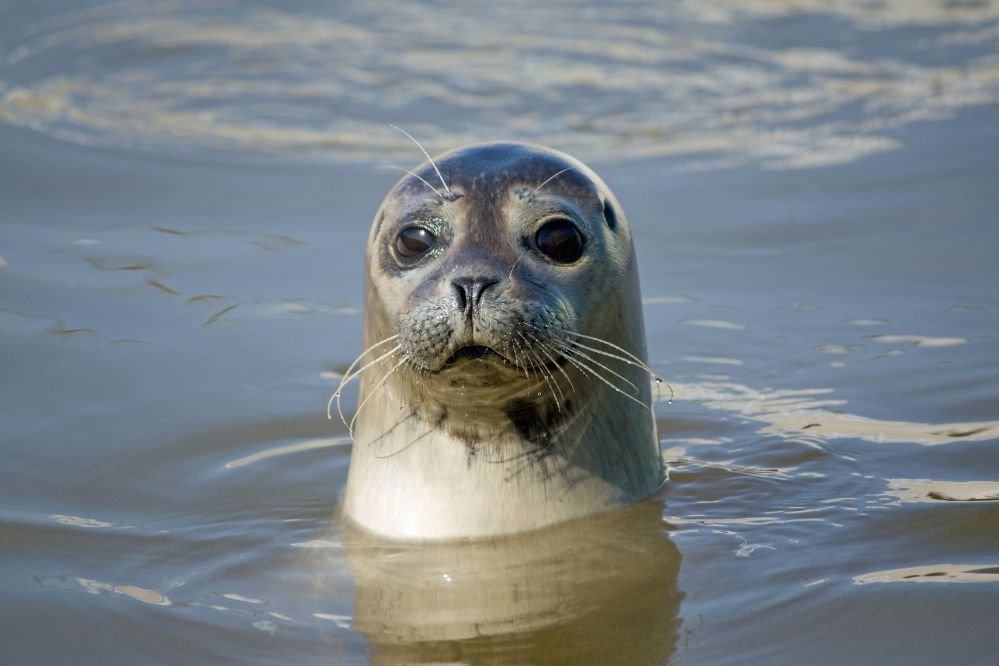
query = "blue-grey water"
x=185 y=193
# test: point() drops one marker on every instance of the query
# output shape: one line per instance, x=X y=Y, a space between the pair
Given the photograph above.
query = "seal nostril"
x=460 y=296
x=469 y=290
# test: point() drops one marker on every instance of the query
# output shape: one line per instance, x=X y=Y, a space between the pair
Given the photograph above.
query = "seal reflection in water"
x=600 y=590
x=503 y=386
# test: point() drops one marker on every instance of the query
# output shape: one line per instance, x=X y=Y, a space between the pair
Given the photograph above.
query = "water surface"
x=185 y=193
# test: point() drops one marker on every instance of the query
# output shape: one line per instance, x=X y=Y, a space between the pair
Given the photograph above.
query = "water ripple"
x=326 y=82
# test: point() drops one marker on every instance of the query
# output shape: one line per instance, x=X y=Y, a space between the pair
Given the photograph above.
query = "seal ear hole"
x=609 y=215
x=560 y=240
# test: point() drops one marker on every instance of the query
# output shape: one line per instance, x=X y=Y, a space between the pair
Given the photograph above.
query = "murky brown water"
x=185 y=191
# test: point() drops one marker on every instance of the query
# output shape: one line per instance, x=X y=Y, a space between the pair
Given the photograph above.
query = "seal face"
x=503 y=309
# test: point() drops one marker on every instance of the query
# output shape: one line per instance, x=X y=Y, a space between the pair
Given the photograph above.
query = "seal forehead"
x=481 y=181
x=495 y=167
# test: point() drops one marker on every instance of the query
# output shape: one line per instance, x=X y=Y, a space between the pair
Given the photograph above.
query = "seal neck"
x=413 y=480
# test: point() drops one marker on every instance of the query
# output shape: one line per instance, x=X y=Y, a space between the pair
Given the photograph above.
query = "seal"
x=504 y=386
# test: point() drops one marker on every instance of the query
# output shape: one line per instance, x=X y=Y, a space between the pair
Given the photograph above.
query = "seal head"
x=502 y=304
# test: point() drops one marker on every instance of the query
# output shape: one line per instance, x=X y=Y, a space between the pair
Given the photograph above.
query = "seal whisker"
x=548 y=375
x=546 y=349
x=347 y=376
x=587 y=370
x=350 y=374
x=526 y=360
x=519 y=257
x=572 y=360
x=430 y=159
x=516 y=357
x=573 y=350
x=539 y=369
x=381 y=384
x=572 y=347
x=421 y=179
x=552 y=383
x=548 y=180
x=578 y=349
x=631 y=359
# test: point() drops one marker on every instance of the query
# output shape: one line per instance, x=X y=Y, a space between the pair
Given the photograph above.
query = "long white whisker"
x=358 y=374
x=548 y=180
x=634 y=359
x=420 y=178
x=580 y=364
x=516 y=356
x=552 y=384
x=569 y=348
x=430 y=159
x=581 y=369
x=659 y=382
x=623 y=359
x=347 y=376
x=539 y=368
x=546 y=373
x=381 y=383
x=546 y=348
x=510 y=276
x=597 y=363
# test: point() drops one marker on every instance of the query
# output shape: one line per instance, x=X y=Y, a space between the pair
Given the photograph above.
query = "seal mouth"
x=475 y=352
x=490 y=355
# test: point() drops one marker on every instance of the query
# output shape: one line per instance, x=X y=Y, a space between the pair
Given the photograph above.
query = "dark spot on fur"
x=533 y=423
x=441 y=418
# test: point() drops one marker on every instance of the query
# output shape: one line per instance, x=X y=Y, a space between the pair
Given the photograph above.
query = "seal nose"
x=469 y=289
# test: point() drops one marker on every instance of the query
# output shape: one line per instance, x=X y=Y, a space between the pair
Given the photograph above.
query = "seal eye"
x=413 y=242
x=560 y=241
